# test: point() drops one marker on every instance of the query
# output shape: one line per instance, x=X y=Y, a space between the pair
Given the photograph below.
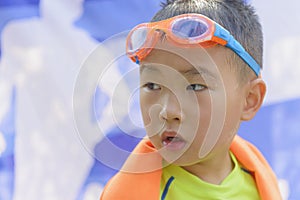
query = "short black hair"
x=238 y=17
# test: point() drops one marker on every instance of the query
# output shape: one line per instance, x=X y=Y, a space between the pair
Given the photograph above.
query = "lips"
x=172 y=141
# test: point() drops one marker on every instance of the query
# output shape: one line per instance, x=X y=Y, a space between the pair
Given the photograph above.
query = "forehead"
x=194 y=60
x=172 y=72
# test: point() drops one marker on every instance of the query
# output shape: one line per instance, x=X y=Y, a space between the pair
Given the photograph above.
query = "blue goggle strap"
x=234 y=45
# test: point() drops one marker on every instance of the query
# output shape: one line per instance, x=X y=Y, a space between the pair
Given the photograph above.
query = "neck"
x=214 y=170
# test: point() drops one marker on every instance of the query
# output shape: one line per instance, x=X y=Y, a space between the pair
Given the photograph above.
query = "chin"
x=181 y=161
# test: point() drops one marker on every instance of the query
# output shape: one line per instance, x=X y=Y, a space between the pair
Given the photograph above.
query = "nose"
x=171 y=108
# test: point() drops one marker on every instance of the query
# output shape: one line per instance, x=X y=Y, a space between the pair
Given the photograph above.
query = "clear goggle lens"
x=189 y=29
x=138 y=39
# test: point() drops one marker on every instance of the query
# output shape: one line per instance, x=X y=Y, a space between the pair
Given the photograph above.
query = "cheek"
x=231 y=119
x=211 y=124
x=150 y=109
x=145 y=104
x=202 y=119
x=205 y=109
x=234 y=106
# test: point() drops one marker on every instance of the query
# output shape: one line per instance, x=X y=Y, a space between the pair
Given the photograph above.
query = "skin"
x=197 y=95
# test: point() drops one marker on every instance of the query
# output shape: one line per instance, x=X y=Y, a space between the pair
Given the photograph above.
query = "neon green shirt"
x=177 y=183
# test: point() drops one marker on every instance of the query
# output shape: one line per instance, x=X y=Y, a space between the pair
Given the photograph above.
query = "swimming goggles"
x=186 y=30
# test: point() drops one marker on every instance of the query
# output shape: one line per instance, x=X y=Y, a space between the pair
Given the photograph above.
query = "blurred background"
x=64 y=78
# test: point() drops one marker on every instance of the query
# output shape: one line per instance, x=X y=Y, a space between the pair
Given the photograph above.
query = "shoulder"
x=253 y=160
x=246 y=151
x=133 y=186
x=139 y=177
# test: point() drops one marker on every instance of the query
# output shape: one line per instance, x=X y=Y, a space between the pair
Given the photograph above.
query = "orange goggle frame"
x=184 y=30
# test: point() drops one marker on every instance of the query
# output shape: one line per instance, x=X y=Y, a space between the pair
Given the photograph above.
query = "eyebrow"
x=198 y=71
x=148 y=67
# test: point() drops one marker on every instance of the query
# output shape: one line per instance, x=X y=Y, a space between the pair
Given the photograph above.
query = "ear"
x=254 y=98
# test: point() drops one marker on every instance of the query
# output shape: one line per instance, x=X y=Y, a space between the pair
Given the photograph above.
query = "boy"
x=197 y=84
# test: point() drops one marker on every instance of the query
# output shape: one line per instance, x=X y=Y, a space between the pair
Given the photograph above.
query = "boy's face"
x=191 y=102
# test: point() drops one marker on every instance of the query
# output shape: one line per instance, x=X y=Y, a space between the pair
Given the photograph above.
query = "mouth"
x=172 y=141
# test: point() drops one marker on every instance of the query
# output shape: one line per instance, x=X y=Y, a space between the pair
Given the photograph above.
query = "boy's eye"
x=196 y=87
x=152 y=86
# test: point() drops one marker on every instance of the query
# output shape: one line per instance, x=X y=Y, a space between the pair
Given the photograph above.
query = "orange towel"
x=141 y=174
